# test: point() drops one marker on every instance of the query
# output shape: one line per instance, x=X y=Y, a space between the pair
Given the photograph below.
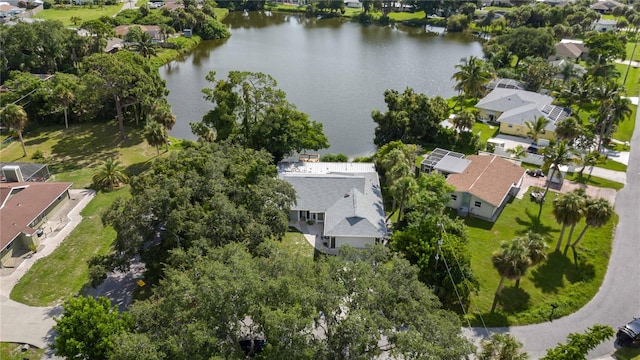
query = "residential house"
x=23 y=209
x=604 y=25
x=605 y=6
x=513 y=108
x=342 y=202
x=153 y=30
x=485 y=186
x=353 y=4
x=568 y=49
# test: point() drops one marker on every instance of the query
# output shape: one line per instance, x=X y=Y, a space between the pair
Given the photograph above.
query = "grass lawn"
x=627 y=354
x=485 y=131
x=631 y=84
x=404 y=16
x=594 y=180
x=84 y=12
x=625 y=128
x=612 y=165
x=72 y=156
x=296 y=244
x=569 y=281
x=11 y=351
x=630 y=45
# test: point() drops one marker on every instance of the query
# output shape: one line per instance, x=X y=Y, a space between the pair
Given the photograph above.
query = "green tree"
x=334 y=158
x=524 y=41
x=123 y=79
x=156 y=135
x=518 y=152
x=252 y=111
x=472 y=76
x=568 y=211
x=537 y=127
x=14 y=117
x=597 y=213
x=502 y=347
x=411 y=117
x=204 y=197
x=587 y=158
x=87 y=328
x=511 y=261
x=398 y=167
x=604 y=47
x=578 y=345
x=555 y=156
x=110 y=175
x=568 y=129
x=464 y=120
x=145 y=46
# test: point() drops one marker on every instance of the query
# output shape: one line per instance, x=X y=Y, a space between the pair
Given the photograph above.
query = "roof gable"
x=501 y=99
x=488 y=177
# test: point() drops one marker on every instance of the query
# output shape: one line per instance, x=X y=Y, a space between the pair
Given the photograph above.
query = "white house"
x=343 y=201
x=604 y=25
x=485 y=186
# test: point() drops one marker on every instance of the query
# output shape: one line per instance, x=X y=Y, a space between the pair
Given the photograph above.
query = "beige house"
x=23 y=209
x=569 y=49
x=485 y=186
x=513 y=108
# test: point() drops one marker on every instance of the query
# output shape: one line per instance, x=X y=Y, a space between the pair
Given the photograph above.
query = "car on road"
x=629 y=334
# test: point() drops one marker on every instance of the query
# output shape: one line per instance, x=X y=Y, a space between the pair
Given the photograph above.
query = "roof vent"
x=346 y=195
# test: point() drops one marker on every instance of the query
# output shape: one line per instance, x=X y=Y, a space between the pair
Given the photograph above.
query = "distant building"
x=605 y=6
x=570 y=50
x=604 y=25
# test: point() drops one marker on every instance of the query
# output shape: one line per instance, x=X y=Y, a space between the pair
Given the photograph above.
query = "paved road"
x=618 y=299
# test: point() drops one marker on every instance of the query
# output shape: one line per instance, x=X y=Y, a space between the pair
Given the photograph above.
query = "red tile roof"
x=488 y=177
x=22 y=203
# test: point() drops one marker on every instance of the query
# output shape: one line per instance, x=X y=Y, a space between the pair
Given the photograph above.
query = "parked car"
x=629 y=334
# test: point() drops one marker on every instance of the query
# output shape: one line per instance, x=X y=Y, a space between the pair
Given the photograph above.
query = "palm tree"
x=64 y=97
x=587 y=158
x=156 y=135
x=511 y=262
x=568 y=129
x=474 y=73
x=537 y=127
x=464 y=120
x=597 y=213
x=536 y=249
x=568 y=210
x=14 y=117
x=145 y=45
x=518 y=152
x=110 y=175
x=568 y=70
x=554 y=157
x=502 y=347
x=161 y=113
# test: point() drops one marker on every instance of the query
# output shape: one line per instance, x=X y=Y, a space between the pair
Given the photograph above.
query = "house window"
x=332 y=243
x=510 y=125
x=477 y=204
x=320 y=216
x=454 y=197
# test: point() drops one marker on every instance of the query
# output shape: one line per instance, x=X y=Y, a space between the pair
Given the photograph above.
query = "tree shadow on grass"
x=489 y=319
x=581 y=269
x=549 y=276
x=138 y=168
x=84 y=147
x=532 y=223
x=514 y=300
x=36 y=141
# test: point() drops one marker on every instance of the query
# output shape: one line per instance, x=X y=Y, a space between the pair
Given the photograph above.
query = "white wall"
x=356 y=242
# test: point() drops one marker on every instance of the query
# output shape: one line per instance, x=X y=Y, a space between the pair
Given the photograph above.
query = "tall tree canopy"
x=523 y=42
x=411 y=117
x=202 y=197
x=118 y=81
x=357 y=305
x=252 y=111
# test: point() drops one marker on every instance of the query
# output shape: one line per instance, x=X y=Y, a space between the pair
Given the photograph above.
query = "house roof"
x=122 y=30
x=28 y=170
x=22 y=203
x=505 y=83
x=605 y=5
x=606 y=22
x=488 y=177
x=348 y=193
x=452 y=164
x=569 y=50
x=438 y=154
x=502 y=100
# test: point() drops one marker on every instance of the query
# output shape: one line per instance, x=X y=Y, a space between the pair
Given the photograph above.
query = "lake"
x=334 y=70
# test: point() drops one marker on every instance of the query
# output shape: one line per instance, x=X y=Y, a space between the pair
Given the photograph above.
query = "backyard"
x=566 y=280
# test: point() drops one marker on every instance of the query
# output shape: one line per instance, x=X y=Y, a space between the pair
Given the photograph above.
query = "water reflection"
x=332 y=69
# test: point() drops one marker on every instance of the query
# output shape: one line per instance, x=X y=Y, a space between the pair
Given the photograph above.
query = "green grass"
x=594 y=180
x=636 y=56
x=486 y=131
x=407 y=16
x=296 y=244
x=627 y=354
x=612 y=165
x=73 y=155
x=625 y=128
x=65 y=272
x=632 y=84
x=11 y=351
x=84 y=12
x=561 y=279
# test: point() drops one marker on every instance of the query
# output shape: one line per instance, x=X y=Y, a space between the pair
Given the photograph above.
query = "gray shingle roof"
x=506 y=99
x=351 y=201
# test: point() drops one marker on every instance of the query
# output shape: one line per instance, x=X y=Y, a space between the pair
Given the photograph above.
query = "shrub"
x=37 y=155
x=47 y=5
x=214 y=29
x=334 y=158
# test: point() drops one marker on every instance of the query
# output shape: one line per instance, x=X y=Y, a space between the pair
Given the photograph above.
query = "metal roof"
x=438 y=154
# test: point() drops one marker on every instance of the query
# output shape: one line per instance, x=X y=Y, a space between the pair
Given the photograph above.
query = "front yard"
x=568 y=281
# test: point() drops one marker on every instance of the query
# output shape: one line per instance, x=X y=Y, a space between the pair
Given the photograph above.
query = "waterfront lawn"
x=407 y=16
x=84 y=12
x=13 y=351
x=569 y=281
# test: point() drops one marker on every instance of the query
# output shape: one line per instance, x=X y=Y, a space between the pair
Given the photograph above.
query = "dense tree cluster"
x=250 y=110
x=202 y=197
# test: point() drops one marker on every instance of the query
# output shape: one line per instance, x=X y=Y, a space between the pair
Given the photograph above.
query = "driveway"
x=618 y=299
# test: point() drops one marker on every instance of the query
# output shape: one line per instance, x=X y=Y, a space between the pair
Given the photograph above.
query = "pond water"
x=334 y=70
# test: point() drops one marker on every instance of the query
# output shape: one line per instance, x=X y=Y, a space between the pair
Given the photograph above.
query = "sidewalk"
x=20 y=323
